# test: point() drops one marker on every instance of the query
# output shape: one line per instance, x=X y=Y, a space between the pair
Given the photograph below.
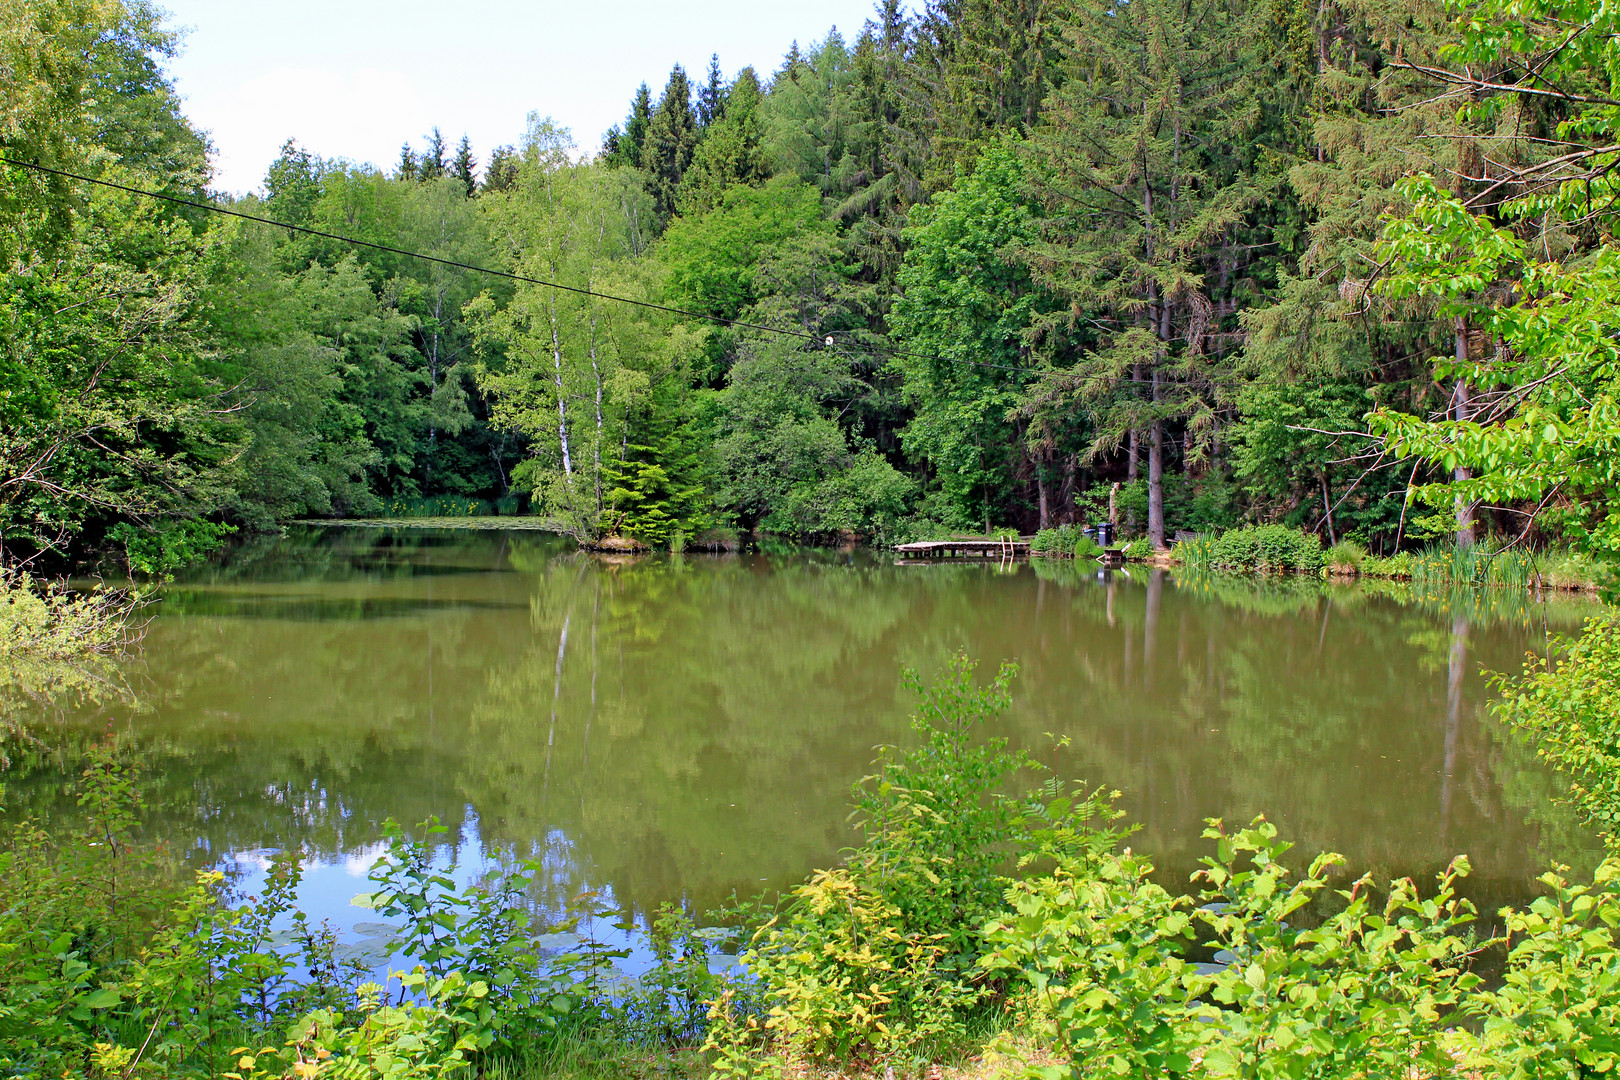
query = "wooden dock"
x=965 y=549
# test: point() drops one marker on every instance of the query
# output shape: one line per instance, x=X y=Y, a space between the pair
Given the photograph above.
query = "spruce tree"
x=1374 y=119
x=712 y=97
x=624 y=149
x=732 y=151
x=1005 y=57
x=432 y=165
x=502 y=172
x=465 y=167
x=1137 y=190
x=671 y=139
x=407 y=168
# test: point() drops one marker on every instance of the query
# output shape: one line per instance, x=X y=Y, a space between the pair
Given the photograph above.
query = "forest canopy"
x=982 y=266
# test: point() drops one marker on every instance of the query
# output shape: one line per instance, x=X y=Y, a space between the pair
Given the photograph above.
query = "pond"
x=682 y=728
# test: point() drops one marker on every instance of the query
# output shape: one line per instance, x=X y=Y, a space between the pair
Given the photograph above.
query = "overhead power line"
x=826 y=340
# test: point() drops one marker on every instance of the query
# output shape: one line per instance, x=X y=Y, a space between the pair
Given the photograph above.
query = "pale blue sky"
x=356 y=78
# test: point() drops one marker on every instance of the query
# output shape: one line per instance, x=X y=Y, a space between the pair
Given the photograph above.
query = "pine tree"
x=433 y=165
x=407 y=169
x=712 y=97
x=671 y=140
x=465 y=167
x=502 y=172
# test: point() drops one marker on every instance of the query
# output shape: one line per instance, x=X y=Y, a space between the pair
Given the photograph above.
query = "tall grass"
x=439 y=506
x=1480 y=564
x=1198 y=553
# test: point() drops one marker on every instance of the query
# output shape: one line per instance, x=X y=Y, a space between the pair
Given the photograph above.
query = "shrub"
x=880 y=960
x=1138 y=549
x=1371 y=991
x=1267 y=548
x=1058 y=541
x=1398 y=565
x=164 y=548
x=1569 y=709
x=1087 y=548
x=1065 y=541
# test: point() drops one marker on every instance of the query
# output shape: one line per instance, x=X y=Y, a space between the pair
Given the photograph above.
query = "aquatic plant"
x=1194 y=553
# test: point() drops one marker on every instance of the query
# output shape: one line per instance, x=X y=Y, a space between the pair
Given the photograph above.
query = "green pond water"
x=681 y=728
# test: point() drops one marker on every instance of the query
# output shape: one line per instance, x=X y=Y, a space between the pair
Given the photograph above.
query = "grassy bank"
x=1279 y=549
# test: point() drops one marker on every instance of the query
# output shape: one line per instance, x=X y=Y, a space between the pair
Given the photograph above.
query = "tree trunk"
x=1463 y=410
x=1156 y=486
x=1041 y=492
x=562 y=398
x=1156 y=476
x=1327 y=507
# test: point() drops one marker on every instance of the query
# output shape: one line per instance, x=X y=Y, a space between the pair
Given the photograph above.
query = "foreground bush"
x=878 y=963
x=1373 y=988
x=1568 y=707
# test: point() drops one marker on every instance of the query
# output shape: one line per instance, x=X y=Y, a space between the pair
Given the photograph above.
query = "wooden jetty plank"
x=965 y=549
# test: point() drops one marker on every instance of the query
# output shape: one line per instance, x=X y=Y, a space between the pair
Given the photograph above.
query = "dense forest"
x=983 y=266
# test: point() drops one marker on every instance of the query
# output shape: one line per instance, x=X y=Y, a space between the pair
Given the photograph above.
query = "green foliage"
x=646 y=502
x=1558 y=1008
x=438 y=506
x=1478 y=564
x=486 y=933
x=966 y=308
x=1196 y=553
x=715 y=260
x=1065 y=541
x=171 y=546
x=1268 y=549
x=1138 y=549
x=878 y=961
x=1569 y=710
x=843 y=976
x=1373 y=988
x=55 y=623
x=1345 y=557
x=438 y=1035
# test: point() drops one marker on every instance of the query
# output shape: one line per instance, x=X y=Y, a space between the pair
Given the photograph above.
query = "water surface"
x=669 y=729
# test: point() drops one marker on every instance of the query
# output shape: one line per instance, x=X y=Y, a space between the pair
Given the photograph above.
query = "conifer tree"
x=407 y=167
x=1136 y=194
x=622 y=147
x=292 y=184
x=465 y=167
x=672 y=138
x=1005 y=57
x=712 y=96
x=732 y=151
x=433 y=165
x=790 y=63
x=503 y=170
